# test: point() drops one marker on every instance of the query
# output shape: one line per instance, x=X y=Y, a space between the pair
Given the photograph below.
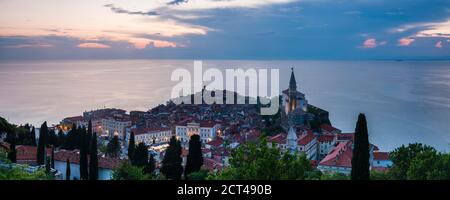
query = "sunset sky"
x=225 y=29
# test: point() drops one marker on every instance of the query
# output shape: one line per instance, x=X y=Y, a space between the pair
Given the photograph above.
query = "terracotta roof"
x=340 y=156
x=28 y=153
x=212 y=164
x=326 y=138
x=74 y=157
x=279 y=138
x=380 y=155
x=346 y=136
x=328 y=127
x=216 y=143
x=306 y=139
x=75 y=118
x=380 y=169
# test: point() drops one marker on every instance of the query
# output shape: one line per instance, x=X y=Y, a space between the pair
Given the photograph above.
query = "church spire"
x=292 y=82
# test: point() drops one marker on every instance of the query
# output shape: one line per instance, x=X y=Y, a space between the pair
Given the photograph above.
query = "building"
x=303 y=141
x=293 y=99
x=151 y=136
x=105 y=165
x=381 y=160
x=339 y=160
x=115 y=125
x=206 y=130
x=326 y=144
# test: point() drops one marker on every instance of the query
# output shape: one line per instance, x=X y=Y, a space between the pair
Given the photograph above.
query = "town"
x=299 y=127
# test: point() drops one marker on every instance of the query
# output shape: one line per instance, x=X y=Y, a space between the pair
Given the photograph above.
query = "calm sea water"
x=404 y=101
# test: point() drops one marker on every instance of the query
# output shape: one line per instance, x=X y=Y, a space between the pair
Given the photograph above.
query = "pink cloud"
x=19 y=46
x=438 y=44
x=372 y=43
x=405 y=41
x=93 y=46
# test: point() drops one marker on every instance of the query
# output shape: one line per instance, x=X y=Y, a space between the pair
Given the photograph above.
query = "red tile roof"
x=326 y=138
x=216 y=143
x=28 y=153
x=328 y=127
x=380 y=155
x=74 y=157
x=306 y=139
x=279 y=138
x=346 y=136
x=212 y=164
x=340 y=156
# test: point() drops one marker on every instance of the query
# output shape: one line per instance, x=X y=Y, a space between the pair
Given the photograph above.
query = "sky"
x=225 y=29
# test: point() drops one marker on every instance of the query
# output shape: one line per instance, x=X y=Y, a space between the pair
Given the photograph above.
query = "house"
x=339 y=160
x=328 y=129
x=105 y=165
x=152 y=135
x=326 y=144
x=381 y=160
x=28 y=154
x=205 y=129
x=115 y=125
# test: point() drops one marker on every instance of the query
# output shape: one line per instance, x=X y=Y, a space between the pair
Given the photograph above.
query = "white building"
x=151 y=136
x=206 y=130
x=326 y=144
x=115 y=126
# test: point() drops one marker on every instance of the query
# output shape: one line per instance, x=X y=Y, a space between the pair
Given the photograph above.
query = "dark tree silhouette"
x=67 y=169
x=131 y=146
x=141 y=155
x=171 y=164
x=360 y=159
x=93 y=161
x=194 y=158
x=43 y=132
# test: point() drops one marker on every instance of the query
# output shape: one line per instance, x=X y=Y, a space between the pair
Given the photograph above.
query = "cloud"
x=124 y=11
x=438 y=44
x=405 y=41
x=177 y=2
x=93 y=46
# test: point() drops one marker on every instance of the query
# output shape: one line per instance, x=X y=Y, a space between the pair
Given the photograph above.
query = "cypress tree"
x=93 y=161
x=47 y=165
x=195 y=157
x=61 y=138
x=67 y=169
x=43 y=132
x=360 y=159
x=53 y=158
x=171 y=164
x=83 y=156
x=33 y=136
x=131 y=146
x=113 y=147
x=141 y=155
x=150 y=168
x=12 y=154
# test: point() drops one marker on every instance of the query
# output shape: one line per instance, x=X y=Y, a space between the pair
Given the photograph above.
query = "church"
x=294 y=103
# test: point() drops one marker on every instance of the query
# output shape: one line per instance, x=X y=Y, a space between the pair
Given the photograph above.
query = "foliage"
x=113 y=147
x=360 y=159
x=334 y=176
x=141 y=155
x=126 y=171
x=171 y=164
x=195 y=157
x=43 y=133
x=198 y=175
x=93 y=161
x=131 y=146
x=260 y=162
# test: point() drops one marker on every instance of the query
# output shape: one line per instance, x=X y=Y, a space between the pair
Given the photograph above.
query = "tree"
x=52 y=139
x=53 y=158
x=113 y=148
x=84 y=174
x=141 y=155
x=67 y=169
x=360 y=159
x=72 y=140
x=419 y=162
x=171 y=164
x=131 y=146
x=47 y=165
x=150 y=168
x=199 y=175
x=12 y=154
x=93 y=162
x=33 y=136
x=43 y=132
x=195 y=157
x=260 y=162
x=61 y=138
x=126 y=171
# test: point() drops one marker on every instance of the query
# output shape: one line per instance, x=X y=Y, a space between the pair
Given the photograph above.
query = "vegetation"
x=195 y=157
x=67 y=169
x=126 y=171
x=93 y=161
x=171 y=164
x=113 y=147
x=361 y=155
x=131 y=146
x=259 y=162
x=43 y=132
x=84 y=173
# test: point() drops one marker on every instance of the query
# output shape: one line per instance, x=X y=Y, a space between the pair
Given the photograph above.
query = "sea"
x=404 y=101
